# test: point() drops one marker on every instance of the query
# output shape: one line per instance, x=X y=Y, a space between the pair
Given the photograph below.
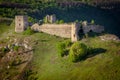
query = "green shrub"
x=63 y=48
x=29 y=31
x=76 y=21
x=92 y=21
x=45 y=20
x=16 y=48
x=90 y=50
x=77 y=51
x=4 y=50
x=59 y=22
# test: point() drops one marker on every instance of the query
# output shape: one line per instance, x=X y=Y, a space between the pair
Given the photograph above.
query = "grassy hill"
x=46 y=64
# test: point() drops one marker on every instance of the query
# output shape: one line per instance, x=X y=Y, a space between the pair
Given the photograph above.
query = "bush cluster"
x=63 y=48
x=77 y=51
x=29 y=31
x=59 y=21
x=4 y=50
x=16 y=48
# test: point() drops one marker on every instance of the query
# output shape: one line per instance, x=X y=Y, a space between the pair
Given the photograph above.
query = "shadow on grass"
x=90 y=34
x=92 y=53
x=96 y=51
x=93 y=34
x=44 y=40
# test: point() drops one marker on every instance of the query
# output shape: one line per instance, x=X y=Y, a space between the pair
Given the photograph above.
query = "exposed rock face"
x=109 y=37
x=35 y=27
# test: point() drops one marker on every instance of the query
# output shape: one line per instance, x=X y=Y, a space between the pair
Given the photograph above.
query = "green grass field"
x=47 y=65
x=6 y=28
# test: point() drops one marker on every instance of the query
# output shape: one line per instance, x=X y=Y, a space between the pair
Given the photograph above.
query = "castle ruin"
x=51 y=18
x=21 y=23
x=74 y=32
x=65 y=30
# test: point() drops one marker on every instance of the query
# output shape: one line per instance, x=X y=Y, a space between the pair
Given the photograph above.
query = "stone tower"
x=21 y=23
x=51 y=18
x=74 y=32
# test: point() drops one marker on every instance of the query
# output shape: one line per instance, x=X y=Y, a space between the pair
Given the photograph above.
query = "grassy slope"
x=48 y=66
x=102 y=66
x=6 y=28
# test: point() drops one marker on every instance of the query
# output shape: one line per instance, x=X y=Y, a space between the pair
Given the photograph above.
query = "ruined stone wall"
x=51 y=18
x=62 y=30
x=94 y=28
x=66 y=30
x=74 y=32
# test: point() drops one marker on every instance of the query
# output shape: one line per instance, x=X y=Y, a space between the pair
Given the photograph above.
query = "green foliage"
x=92 y=21
x=29 y=31
x=90 y=50
x=81 y=21
x=45 y=20
x=96 y=67
x=16 y=48
x=29 y=75
x=63 y=48
x=59 y=21
x=30 y=19
x=77 y=51
x=76 y=21
x=3 y=50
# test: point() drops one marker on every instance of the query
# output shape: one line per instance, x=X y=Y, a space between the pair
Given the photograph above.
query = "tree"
x=61 y=21
x=77 y=51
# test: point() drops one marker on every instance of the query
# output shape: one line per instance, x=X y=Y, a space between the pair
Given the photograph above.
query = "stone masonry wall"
x=94 y=28
x=21 y=23
x=74 y=32
x=62 y=30
x=66 y=30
